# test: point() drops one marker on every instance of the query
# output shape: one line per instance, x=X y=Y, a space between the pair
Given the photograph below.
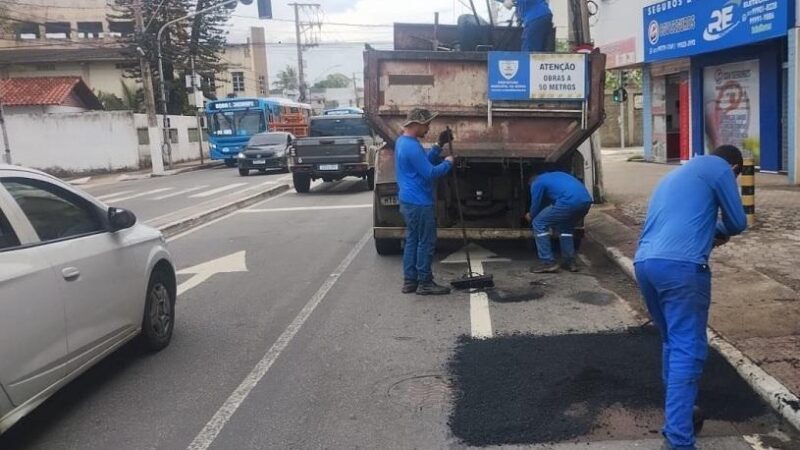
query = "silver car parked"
x=77 y=281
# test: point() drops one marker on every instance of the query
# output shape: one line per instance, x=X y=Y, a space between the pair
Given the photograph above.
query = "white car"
x=77 y=281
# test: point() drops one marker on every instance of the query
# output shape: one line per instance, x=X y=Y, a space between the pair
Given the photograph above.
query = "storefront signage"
x=537 y=76
x=732 y=106
x=680 y=28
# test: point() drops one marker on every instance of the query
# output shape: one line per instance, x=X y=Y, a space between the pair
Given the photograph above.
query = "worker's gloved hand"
x=451 y=159
x=509 y=4
x=445 y=137
x=721 y=239
x=528 y=217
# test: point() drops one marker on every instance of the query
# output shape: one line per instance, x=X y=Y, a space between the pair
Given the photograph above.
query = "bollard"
x=749 y=190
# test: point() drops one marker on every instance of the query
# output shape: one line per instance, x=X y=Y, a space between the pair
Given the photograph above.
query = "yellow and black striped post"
x=749 y=189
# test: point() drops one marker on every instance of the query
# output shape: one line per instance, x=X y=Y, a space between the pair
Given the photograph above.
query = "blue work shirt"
x=557 y=188
x=530 y=10
x=682 y=218
x=417 y=171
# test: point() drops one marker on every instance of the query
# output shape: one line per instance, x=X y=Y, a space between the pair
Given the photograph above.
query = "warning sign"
x=558 y=76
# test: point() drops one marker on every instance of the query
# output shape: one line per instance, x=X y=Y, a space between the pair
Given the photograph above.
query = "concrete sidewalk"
x=115 y=177
x=756 y=296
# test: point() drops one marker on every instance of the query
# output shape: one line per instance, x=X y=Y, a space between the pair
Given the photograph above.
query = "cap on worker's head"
x=420 y=116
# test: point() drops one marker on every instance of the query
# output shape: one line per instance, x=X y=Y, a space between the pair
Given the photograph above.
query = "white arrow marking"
x=232 y=263
x=480 y=317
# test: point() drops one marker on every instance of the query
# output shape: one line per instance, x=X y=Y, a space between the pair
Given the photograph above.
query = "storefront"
x=715 y=74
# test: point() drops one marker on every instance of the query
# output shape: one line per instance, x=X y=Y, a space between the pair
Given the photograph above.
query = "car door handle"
x=71 y=273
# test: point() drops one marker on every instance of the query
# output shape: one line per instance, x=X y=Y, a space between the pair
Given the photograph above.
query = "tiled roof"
x=45 y=91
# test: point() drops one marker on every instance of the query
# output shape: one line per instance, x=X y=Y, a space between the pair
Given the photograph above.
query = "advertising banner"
x=680 y=28
x=732 y=106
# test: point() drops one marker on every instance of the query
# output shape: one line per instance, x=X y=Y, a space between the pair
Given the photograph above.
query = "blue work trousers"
x=536 y=34
x=562 y=218
x=420 y=241
x=678 y=296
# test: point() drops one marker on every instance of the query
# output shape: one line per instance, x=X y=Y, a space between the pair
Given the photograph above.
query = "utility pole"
x=198 y=96
x=6 y=144
x=156 y=155
x=355 y=89
x=300 y=28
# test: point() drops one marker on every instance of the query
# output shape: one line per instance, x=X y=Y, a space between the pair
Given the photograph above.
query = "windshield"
x=238 y=123
x=339 y=127
x=268 y=139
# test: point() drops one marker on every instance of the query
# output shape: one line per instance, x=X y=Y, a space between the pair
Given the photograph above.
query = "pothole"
x=593 y=298
x=421 y=392
x=515 y=295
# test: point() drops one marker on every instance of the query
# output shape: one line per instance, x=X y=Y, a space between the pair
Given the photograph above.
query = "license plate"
x=260 y=162
x=328 y=167
x=390 y=201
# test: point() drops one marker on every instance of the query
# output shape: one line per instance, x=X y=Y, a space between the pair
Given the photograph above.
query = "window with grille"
x=120 y=29
x=28 y=30
x=90 y=30
x=238 y=81
x=57 y=30
x=262 y=85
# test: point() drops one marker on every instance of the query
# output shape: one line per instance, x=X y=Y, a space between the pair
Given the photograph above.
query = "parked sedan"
x=78 y=280
x=266 y=151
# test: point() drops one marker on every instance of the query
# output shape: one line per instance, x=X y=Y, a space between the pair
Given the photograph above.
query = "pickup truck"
x=338 y=146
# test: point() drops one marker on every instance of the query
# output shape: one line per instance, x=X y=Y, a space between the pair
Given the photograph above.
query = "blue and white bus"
x=232 y=122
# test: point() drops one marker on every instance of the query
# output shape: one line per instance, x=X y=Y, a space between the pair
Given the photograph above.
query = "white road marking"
x=185 y=191
x=115 y=194
x=139 y=195
x=480 y=317
x=236 y=262
x=209 y=434
x=220 y=219
x=307 y=208
x=218 y=190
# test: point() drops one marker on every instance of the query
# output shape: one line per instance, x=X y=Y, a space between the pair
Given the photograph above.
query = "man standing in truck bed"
x=417 y=172
x=537 y=20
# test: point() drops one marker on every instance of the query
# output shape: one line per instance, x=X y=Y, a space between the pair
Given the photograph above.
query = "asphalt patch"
x=525 y=389
x=515 y=295
x=597 y=298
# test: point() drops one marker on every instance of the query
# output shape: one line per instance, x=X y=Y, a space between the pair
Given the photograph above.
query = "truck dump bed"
x=456 y=85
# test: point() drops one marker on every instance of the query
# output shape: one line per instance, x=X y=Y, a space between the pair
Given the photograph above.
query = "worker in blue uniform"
x=537 y=22
x=417 y=172
x=558 y=201
x=683 y=225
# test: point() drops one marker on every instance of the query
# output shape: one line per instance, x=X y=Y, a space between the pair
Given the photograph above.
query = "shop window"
x=90 y=30
x=28 y=31
x=57 y=30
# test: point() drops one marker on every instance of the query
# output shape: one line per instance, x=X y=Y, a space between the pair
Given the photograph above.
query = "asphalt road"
x=150 y=198
x=304 y=341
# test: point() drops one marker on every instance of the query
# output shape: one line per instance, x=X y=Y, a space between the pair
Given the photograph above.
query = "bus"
x=232 y=122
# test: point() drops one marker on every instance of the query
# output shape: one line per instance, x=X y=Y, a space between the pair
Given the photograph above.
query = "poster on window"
x=732 y=107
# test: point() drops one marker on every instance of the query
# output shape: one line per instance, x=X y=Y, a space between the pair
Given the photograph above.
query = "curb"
x=782 y=400
x=209 y=165
x=171 y=229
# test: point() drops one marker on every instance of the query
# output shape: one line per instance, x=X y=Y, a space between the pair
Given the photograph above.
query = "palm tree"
x=287 y=79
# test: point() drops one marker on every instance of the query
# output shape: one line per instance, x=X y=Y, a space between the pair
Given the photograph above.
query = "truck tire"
x=386 y=247
x=302 y=183
x=370 y=179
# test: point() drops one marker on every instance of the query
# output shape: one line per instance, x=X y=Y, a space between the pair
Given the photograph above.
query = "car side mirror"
x=120 y=219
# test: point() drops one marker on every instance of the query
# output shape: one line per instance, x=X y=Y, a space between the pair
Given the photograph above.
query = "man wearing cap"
x=417 y=172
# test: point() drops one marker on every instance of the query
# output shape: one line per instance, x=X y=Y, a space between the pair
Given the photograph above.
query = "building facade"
x=47 y=38
x=714 y=72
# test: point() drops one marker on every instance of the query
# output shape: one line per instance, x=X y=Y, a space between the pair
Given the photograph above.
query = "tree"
x=287 y=79
x=202 y=37
x=334 y=81
x=131 y=100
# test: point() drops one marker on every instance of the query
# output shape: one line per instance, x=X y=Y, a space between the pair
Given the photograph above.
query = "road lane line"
x=220 y=219
x=139 y=195
x=307 y=208
x=479 y=316
x=185 y=191
x=115 y=194
x=218 y=190
x=209 y=434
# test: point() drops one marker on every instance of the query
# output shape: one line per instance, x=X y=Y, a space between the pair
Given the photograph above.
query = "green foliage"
x=334 y=81
x=287 y=79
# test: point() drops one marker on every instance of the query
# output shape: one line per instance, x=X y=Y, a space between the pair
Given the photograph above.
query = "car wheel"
x=370 y=179
x=244 y=172
x=387 y=246
x=230 y=163
x=302 y=183
x=159 y=312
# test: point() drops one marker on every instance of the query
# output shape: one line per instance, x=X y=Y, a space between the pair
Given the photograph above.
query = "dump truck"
x=499 y=143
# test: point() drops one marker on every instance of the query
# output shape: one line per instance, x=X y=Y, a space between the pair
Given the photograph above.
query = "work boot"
x=570 y=265
x=545 y=267
x=431 y=288
x=410 y=286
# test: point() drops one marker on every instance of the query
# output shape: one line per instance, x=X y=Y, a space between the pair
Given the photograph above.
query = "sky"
x=369 y=21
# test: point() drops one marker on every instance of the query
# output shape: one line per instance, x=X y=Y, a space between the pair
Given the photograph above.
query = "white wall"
x=619 y=21
x=74 y=142
x=183 y=150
